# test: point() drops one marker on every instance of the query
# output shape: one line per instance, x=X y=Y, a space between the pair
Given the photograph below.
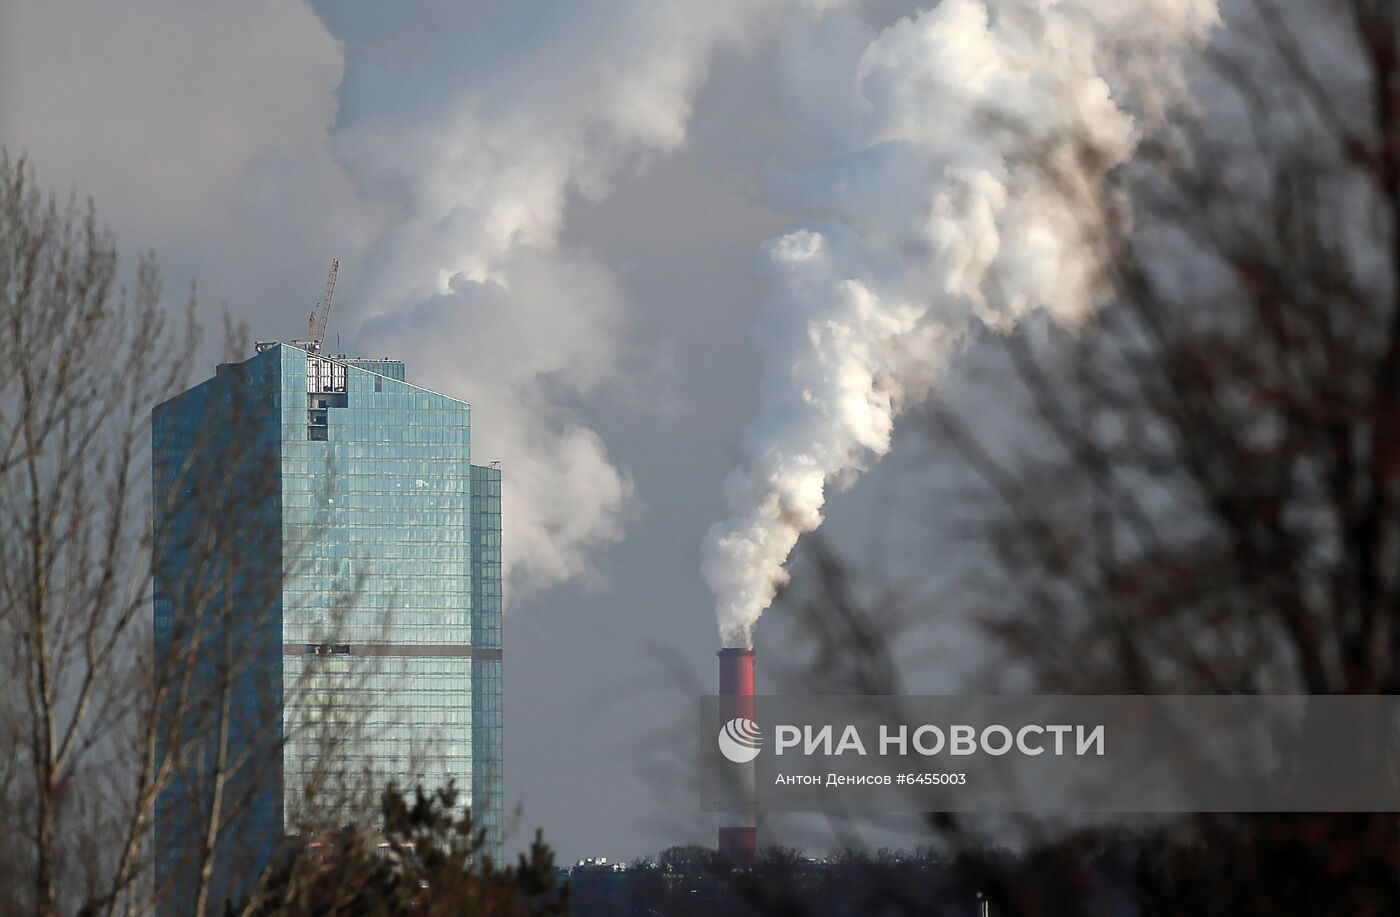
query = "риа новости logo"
x=740 y=740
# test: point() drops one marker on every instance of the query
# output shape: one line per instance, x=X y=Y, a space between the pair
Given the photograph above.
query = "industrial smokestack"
x=738 y=833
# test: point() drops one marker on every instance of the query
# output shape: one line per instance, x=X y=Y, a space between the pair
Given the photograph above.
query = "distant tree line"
x=1117 y=873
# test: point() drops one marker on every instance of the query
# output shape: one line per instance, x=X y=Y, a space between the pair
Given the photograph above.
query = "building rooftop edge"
x=349 y=363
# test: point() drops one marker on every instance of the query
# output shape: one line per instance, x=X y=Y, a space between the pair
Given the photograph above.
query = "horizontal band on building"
x=459 y=650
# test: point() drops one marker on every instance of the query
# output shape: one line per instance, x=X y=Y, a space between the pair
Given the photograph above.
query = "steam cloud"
x=579 y=95
x=929 y=226
x=446 y=183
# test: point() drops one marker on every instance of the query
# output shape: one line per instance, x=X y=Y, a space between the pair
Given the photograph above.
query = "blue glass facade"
x=387 y=609
x=217 y=628
x=486 y=640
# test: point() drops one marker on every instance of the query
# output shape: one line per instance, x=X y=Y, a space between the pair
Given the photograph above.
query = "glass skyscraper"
x=331 y=508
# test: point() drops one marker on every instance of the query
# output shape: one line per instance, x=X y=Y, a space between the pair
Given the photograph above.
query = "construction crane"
x=316 y=326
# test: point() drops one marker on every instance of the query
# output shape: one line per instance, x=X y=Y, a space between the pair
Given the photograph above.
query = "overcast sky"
x=569 y=215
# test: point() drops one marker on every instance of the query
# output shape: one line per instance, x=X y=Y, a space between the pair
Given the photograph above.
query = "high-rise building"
x=327 y=607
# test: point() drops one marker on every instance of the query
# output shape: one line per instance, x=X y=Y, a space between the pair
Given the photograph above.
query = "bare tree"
x=1213 y=499
x=81 y=361
x=1200 y=488
x=95 y=725
x=144 y=716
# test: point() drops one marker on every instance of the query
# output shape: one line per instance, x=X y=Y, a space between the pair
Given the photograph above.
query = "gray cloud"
x=201 y=131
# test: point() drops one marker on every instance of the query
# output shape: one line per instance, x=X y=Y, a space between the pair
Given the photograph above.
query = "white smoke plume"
x=927 y=225
x=476 y=282
x=434 y=148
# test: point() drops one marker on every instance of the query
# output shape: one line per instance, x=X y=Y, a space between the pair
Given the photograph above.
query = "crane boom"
x=322 y=313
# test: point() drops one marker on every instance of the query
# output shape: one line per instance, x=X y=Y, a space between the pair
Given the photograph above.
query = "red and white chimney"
x=737 y=830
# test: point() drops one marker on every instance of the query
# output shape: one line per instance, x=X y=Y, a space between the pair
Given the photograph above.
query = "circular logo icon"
x=740 y=740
